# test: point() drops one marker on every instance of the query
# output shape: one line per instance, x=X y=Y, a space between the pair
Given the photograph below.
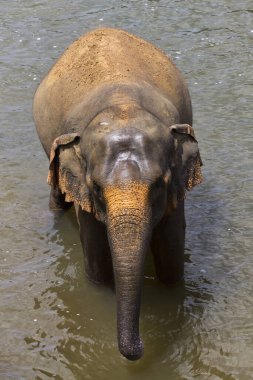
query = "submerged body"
x=114 y=117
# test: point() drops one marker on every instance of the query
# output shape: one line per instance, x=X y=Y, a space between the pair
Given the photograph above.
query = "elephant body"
x=114 y=117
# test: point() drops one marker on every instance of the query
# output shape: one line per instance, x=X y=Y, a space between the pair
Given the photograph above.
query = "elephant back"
x=106 y=56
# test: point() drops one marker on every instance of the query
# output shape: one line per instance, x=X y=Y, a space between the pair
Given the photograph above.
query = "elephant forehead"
x=126 y=146
x=117 y=145
x=126 y=138
x=134 y=145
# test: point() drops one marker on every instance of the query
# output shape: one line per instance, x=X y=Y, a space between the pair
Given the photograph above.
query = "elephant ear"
x=67 y=170
x=185 y=163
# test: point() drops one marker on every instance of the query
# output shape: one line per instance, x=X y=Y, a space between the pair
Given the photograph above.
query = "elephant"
x=114 y=117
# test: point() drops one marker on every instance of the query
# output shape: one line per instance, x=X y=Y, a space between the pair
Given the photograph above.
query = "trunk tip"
x=132 y=351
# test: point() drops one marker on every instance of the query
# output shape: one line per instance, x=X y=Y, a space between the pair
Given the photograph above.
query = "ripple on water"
x=54 y=323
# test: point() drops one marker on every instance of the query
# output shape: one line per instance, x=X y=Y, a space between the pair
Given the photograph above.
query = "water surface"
x=54 y=323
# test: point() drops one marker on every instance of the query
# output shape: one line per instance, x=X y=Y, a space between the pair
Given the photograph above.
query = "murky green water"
x=54 y=324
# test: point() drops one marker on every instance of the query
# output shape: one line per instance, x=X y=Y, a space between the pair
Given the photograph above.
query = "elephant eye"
x=159 y=182
x=96 y=189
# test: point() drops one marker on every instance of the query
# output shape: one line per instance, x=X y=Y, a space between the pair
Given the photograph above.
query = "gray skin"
x=124 y=153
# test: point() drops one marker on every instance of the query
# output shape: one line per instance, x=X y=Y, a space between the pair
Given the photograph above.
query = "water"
x=54 y=323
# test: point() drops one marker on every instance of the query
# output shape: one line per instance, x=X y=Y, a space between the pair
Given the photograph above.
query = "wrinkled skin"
x=122 y=149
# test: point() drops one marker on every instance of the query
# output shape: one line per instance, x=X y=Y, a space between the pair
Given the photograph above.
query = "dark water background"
x=54 y=324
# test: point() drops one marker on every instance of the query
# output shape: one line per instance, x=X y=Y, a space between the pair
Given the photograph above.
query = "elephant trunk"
x=128 y=215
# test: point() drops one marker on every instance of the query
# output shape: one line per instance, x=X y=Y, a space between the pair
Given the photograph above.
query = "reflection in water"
x=85 y=319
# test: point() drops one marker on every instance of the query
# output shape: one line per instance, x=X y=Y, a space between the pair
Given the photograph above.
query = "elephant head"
x=129 y=174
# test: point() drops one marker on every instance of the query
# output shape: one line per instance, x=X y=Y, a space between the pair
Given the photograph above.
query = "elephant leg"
x=97 y=255
x=168 y=246
x=57 y=200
